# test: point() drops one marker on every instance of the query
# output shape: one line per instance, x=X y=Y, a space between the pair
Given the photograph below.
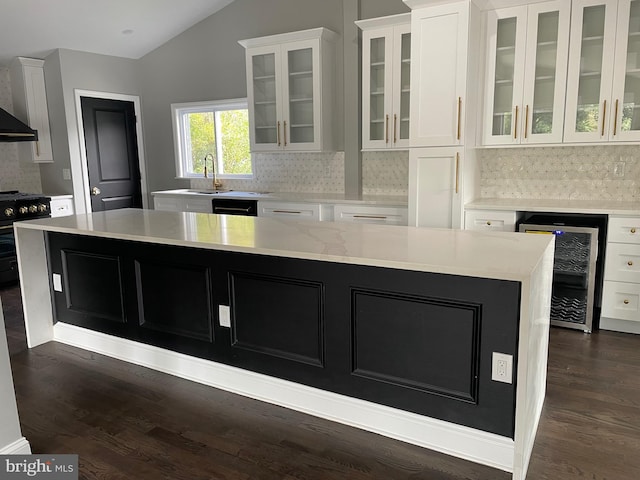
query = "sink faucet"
x=216 y=183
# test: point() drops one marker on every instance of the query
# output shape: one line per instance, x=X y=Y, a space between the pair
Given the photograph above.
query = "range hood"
x=13 y=130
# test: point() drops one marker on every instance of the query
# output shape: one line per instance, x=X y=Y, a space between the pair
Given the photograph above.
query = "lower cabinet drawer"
x=302 y=211
x=495 y=220
x=371 y=214
x=622 y=262
x=61 y=207
x=621 y=301
x=623 y=229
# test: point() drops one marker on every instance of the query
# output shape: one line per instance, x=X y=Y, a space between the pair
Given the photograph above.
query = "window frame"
x=178 y=110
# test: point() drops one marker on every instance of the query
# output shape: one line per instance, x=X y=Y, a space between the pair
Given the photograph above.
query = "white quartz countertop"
x=499 y=255
x=611 y=207
x=381 y=200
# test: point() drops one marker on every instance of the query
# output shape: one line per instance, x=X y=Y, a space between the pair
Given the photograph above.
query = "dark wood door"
x=112 y=153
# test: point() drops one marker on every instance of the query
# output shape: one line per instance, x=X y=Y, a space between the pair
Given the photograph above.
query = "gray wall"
x=207 y=63
x=66 y=71
x=382 y=8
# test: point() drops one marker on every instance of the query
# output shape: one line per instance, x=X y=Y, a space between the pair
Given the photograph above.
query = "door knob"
x=95 y=191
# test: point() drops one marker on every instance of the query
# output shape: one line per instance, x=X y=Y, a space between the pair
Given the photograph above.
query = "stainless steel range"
x=16 y=206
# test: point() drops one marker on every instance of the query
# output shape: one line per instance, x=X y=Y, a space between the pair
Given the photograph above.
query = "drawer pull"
x=625 y=301
x=377 y=217
x=633 y=230
x=488 y=223
x=630 y=263
x=232 y=209
x=298 y=212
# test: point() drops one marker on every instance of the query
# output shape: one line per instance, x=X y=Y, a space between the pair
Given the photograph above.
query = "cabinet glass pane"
x=376 y=94
x=631 y=110
x=545 y=80
x=300 y=63
x=588 y=112
x=505 y=66
x=405 y=85
x=264 y=98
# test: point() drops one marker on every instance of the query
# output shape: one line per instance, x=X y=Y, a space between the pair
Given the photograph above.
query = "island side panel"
x=416 y=341
x=34 y=285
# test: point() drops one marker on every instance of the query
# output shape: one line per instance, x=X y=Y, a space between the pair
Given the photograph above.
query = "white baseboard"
x=19 y=447
x=616 y=325
x=456 y=440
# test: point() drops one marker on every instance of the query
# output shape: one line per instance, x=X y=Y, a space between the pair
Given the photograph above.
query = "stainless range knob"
x=8 y=212
x=42 y=208
x=33 y=209
x=23 y=210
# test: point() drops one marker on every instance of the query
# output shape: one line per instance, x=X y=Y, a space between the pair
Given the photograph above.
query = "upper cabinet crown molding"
x=290 y=82
x=379 y=22
x=30 y=105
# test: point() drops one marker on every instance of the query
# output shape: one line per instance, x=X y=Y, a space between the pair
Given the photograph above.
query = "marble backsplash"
x=14 y=175
x=567 y=172
x=383 y=173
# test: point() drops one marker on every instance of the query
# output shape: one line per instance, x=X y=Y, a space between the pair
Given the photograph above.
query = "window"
x=218 y=128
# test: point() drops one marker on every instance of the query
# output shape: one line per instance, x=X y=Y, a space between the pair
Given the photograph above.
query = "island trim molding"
x=462 y=442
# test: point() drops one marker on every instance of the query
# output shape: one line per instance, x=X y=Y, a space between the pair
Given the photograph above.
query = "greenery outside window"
x=219 y=128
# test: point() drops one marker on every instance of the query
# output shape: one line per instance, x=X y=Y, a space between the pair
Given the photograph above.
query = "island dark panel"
x=421 y=342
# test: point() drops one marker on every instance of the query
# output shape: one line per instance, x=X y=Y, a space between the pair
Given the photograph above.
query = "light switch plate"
x=224 y=316
x=57 y=282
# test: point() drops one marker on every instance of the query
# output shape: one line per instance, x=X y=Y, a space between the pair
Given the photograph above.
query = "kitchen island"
x=390 y=329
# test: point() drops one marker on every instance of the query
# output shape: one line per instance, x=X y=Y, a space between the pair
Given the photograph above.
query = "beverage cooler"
x=577 y=267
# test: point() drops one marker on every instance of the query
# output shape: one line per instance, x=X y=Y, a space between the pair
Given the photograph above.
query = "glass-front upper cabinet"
x=289 y=88
x=527 y=49
x=386 y=73
x=604 y=71
x=626 y=84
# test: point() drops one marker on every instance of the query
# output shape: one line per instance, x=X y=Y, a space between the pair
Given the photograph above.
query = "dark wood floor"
x=129 y=422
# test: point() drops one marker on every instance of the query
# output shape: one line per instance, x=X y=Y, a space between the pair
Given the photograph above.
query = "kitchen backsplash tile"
x=290 y=172
x=14 y=175
x=385 y=173
x=580 y=172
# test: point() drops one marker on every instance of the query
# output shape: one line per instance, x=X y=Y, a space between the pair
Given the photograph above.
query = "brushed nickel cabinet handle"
x=287 y=211
x=278 y=133
x=615 y=119
x=604 y=115
x=526 y=121
x=459 y=117
x=386 y=129
x=284 y=131
x=515 y=125
x=377 y=217
x=395 y=133
x=457 y=170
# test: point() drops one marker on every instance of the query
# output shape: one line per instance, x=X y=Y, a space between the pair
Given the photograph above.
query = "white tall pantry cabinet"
x=444 y=55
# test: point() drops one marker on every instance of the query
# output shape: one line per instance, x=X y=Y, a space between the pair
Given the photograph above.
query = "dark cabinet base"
x=416 y=341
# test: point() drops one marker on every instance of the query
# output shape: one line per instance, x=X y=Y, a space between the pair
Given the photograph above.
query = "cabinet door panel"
x=590 y=71
x=626 y=88
x=505 y=70
x=377 y=82
x=545 y=78
x=301 y=87
x=401 y=85
x=434 y=188
x=439 y=38
x=263 y=75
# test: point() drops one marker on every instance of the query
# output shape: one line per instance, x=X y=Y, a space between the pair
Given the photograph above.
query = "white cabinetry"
x=290 y=90
x=61 y=205
x=527 y=49
x=370 y=214
x=621 y=291
x=298 y=210
x=30 y=106
x=183 y=203
x=386 y=77
x=604 y=65
x=490 y=220
x=435 y=198
x=439 y=36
